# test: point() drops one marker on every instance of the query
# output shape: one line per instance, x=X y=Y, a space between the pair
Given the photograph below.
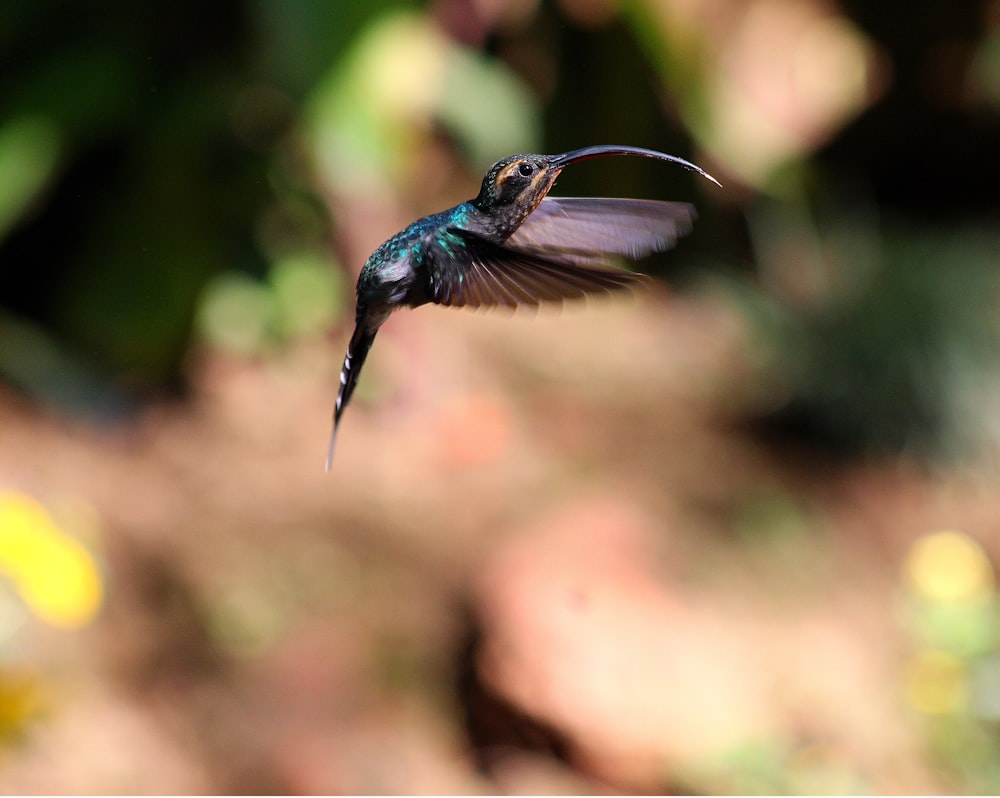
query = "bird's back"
x=394 y=271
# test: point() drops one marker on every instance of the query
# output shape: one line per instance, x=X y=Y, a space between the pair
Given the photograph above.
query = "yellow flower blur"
x=53 y=573
x=949 y=567
x=935 y=683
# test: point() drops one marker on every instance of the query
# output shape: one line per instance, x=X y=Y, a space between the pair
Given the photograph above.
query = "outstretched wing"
x=593 y=228
x=491 y=275
x=561 y=251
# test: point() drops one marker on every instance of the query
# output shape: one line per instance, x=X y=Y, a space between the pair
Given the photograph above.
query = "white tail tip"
x=329 y=449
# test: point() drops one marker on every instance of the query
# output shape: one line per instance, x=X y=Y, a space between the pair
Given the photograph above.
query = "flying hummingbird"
x=511 y=245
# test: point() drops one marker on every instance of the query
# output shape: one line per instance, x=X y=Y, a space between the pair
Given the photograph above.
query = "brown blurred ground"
x=542 y=549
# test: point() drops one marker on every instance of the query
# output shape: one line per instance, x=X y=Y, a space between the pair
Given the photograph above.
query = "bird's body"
x=510 y=246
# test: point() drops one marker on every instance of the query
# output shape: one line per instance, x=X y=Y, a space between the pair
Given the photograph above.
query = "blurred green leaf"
x=308 y=293
x=487 y=107
x=237 y=314
x=29 y=155
x=401 y=77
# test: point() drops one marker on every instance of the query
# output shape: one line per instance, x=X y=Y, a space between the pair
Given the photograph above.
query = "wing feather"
x=589 y=227
x=560 y=252
x=490 y=275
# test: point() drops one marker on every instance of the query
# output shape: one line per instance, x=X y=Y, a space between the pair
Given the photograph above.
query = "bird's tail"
x=357 y=351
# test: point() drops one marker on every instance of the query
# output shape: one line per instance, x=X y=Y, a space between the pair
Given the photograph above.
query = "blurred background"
x=735 y=534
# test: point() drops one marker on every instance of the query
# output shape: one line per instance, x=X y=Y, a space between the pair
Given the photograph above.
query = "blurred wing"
x=491 y=275
x=590 y=229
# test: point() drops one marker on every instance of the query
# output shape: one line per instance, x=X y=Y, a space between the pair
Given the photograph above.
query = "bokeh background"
x=737 y=533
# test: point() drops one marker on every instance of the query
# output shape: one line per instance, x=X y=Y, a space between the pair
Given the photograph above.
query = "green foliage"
x=901 y=356
x=29 y=154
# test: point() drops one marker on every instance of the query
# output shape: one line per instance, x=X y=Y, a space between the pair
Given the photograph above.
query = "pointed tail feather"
x=357 y=351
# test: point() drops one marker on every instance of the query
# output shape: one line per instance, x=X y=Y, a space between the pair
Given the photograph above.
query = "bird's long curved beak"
x=603 y=150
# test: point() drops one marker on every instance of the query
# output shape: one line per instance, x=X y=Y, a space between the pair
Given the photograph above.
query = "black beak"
x=602 y=150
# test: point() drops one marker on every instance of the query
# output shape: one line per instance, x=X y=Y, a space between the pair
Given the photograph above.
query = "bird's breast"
x=387 y=281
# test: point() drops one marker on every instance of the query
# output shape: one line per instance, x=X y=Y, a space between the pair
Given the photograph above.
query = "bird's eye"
x=526 y=170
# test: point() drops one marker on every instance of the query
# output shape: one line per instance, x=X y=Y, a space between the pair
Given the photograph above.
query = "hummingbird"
x=510 y=246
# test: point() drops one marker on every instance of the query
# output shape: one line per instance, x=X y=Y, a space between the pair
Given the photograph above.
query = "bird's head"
x=516 y=184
